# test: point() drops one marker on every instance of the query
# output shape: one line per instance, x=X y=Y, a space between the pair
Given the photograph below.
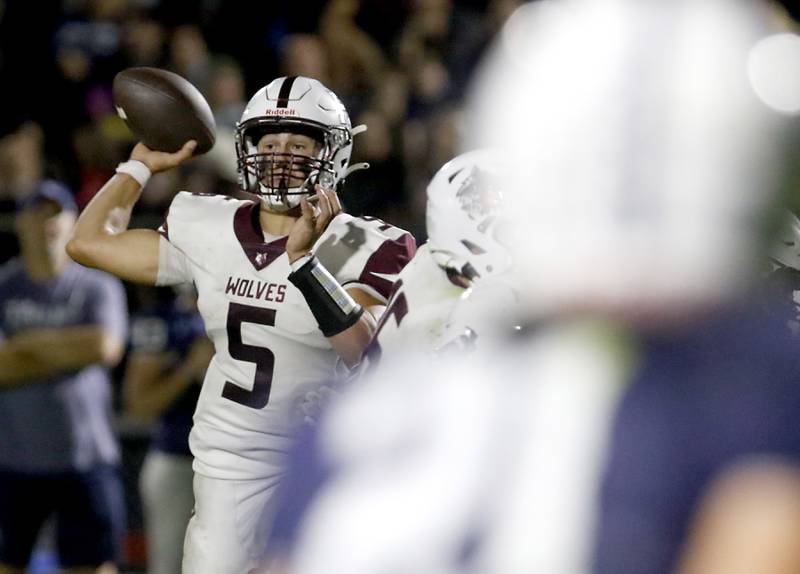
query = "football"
x=163 y=110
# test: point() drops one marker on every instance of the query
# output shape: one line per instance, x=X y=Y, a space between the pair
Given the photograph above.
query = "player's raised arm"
x=101 y=237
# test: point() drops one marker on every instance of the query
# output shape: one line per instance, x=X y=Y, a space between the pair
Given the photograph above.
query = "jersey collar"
x=247 y=227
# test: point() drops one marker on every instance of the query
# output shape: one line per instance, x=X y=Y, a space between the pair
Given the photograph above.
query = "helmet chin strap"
x=281 y=203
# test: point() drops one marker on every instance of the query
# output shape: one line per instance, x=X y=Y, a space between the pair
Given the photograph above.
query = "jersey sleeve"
x=173 y=265
x=189 y=221
x=366 y=253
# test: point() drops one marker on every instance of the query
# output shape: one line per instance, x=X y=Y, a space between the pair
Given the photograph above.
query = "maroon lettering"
x=269 y=296
x=260 y=289
x=250 y=290
x=281 y=112
x=232 y=285
x=281 y=293
x=243 y=285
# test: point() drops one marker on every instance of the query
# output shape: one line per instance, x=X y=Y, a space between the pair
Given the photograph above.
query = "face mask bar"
x=257 y=168
x=284 y=173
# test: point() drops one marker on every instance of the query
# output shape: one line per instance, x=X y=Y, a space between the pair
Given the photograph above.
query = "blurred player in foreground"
x=649 y=142
x=287 y=286
x=168 y=357
x=62 y=327
x=463 y=219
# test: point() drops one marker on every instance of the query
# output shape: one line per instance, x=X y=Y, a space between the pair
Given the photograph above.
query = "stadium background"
x=400 y=66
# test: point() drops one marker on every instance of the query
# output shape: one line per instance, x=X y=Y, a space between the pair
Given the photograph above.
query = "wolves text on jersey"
x=254 y=289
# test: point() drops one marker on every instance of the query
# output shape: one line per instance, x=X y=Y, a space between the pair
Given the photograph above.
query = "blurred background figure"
x=62 y=327
x=166 y=365
x=651 y=143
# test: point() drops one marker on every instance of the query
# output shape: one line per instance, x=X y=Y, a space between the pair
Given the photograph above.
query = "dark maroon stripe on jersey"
x=285 y=91
x=388 y=259
x=164 y=230
x=247 y=228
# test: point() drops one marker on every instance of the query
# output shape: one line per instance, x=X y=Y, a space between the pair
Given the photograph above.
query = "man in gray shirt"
x=62 y=327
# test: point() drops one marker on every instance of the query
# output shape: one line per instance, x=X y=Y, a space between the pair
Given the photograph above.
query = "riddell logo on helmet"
x=281 y=112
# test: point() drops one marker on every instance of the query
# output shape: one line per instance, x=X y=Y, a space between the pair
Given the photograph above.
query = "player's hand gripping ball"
x=163 y=110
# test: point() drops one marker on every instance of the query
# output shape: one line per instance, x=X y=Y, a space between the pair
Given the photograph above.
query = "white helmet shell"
x=463 y=215
x=786 y=249
x=294 y=104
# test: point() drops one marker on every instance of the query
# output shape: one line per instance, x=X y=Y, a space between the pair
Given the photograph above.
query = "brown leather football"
x=163 y=110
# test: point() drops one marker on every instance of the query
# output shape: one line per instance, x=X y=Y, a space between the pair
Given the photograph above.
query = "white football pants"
x=228 y=531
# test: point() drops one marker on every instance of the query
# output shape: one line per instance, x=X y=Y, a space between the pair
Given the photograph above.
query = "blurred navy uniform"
x=704 y=399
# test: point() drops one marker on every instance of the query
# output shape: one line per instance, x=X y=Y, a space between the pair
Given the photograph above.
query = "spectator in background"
x=189 y=56
x=356 y=62
x=62 y=327
x=21 y=159
x=167 y=362
x=306 y=55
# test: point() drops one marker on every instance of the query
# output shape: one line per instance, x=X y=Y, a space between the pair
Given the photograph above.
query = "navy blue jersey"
x=170 y=330
x=704 y=398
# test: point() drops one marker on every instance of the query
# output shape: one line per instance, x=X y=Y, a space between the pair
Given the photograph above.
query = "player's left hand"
x=316 y=213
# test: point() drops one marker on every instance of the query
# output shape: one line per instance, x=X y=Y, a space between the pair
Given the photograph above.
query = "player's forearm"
x=350 y=343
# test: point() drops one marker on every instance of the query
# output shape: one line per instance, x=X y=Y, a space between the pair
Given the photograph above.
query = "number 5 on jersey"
x=264 y=359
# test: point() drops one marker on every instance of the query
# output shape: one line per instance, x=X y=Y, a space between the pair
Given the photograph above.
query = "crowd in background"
x=400 y=67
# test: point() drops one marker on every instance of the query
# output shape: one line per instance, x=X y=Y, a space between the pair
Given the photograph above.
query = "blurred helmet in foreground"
x=463 y=215
x=647 y=156
x=786 y=249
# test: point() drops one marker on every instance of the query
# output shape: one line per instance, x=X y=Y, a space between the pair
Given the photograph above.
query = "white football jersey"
x=269 y=349
x=470 y=464
x=486 y=313
x=417 y=313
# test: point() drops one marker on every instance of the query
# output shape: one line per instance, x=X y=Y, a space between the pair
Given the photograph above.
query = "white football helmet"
x=786 y=250
x=463 y=216
x=294 y=104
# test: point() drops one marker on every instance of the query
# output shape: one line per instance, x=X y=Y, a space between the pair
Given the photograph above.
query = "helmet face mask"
x=294 y=105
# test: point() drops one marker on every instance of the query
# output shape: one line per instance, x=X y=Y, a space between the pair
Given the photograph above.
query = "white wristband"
x=295 y=265
x=137 y=170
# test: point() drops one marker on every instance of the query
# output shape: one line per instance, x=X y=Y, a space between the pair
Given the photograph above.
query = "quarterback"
x=287 y=286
